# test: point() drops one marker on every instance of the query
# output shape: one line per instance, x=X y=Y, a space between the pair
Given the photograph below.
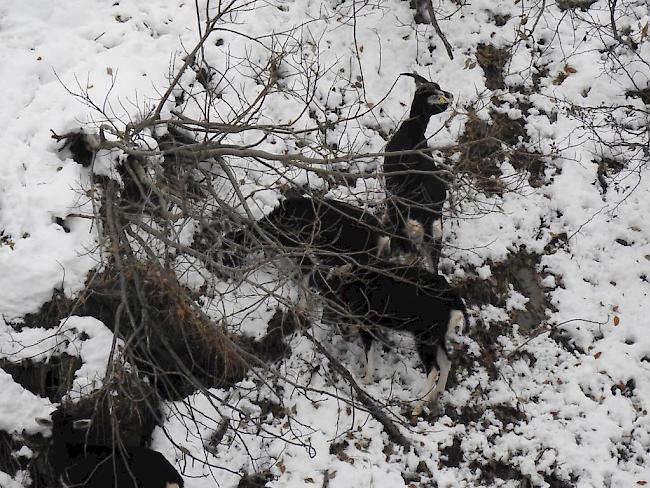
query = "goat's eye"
x=436 y=100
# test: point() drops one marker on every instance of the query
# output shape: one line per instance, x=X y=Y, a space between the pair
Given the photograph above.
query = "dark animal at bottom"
x=400 y=298
x=415 y=191
x=327 y=230
x=77 y=464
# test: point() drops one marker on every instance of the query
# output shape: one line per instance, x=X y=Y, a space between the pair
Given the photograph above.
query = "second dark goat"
x=327 y=230
x=77 y=464
x=406 y=299
x=416 y=193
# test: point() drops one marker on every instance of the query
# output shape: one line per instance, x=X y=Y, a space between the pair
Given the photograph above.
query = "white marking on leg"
x=432 y=377
x=414 y=231
x=425 y=251
x=436 y=229
x=456 y=324
x=352 y=331
x=383 y=246
x=445 y=368
x=304 y=305
x=369 y=367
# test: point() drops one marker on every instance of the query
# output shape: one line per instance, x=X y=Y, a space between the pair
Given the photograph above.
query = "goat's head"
x=63 y=425
x=429 y=98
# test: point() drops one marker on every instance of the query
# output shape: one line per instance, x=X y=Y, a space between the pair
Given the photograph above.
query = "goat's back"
x=326 y=228
x=136 y=467
x=396 y=297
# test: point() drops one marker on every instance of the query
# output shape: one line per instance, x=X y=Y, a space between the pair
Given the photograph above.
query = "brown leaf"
x=559 y=79
x=361 y=48
x=615 y=308
x=617 y=320
x=642 y=482
x=109 y=71
x=569 y=69
x=597 y=355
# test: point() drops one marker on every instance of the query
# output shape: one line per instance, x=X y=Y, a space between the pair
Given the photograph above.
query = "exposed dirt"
x=520 y=271
x=51 y=379
x=493 y=61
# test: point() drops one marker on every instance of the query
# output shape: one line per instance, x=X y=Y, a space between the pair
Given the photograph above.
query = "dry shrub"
x=484 y=145
x=124 y=411
x=165 y=336
x=520 y=271
x=493 y=61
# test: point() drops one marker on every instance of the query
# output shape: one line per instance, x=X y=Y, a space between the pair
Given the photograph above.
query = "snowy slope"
x=555 y=411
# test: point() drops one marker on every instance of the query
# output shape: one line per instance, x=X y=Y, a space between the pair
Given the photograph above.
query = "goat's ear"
x=43 y=422
x=81 y=424
x=420 y=81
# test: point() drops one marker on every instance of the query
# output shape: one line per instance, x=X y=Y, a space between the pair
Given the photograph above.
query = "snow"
x=576 y=418
x=20 y=408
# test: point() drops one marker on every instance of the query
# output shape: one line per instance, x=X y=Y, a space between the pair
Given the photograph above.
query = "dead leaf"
x=559 y=79
x=569 y=69
x=361 y=48
x=597 y=355
x=469 y=63
x=617 y=320
x=109 y=71
x=615 y=308
x=642 y=482
x=39 y=58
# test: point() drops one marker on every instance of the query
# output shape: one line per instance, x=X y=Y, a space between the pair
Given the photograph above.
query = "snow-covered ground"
x=560 y=413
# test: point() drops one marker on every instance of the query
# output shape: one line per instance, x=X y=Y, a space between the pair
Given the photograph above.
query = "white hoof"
x=418 y=409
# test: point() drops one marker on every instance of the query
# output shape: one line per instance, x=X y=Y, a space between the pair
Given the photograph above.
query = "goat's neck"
x=414 y=127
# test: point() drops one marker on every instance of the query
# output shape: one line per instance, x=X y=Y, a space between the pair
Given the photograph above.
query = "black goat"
x=416 y=194
x=404 y=298
x=324 y=230
x=78 y=464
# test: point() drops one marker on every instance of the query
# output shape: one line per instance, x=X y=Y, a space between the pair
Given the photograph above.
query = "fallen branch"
x=373 y=408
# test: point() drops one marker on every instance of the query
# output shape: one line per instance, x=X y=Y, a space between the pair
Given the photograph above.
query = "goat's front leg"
x=436 y=382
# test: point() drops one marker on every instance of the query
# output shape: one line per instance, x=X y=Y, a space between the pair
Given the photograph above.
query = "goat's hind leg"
x=432 y=378
x=436 y=380
x=368 y=354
